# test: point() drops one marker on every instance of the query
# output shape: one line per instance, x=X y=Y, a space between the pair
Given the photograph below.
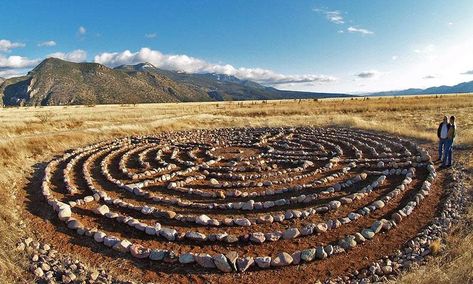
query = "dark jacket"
x=440 y=129
x=451 y=132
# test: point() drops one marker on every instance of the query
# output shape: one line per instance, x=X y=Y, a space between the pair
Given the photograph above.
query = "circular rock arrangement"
x=239 y=199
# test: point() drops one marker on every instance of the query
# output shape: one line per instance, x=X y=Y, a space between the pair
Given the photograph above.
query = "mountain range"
x=465 y=87
x=58 y=82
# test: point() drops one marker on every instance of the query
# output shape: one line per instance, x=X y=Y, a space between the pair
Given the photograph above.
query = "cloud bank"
x=368 y=74
x=7 y=45
x=77 y=55
x=188 y=64
x=48 y=43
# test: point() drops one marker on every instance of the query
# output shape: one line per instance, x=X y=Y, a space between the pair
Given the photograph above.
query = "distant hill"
x=466 y=87
x=2 y=80
x=59 y=82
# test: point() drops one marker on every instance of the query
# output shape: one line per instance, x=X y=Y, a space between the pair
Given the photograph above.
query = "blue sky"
x=335 y=46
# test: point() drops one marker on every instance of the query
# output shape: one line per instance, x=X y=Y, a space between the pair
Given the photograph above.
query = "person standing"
x=447 y=161
x=442 y=133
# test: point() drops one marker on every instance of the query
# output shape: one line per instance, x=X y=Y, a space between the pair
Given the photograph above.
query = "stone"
x=359 y=238
x=168 y=233
x=257 y=237
x=377 y=226
x=273 y=236
x=242 y=222
x=378 y=204
x=296 y=257
x=204 y=260
x=321 y=228
x=38 y=272
x=282 y=259
x=186 y=258
x=157 y=254
x=231 y=239
x=367 y=233
x=122 y=246
x=308 y=254
x=222 y=263
x=139 y=251
x=249 y=205
x=98 y=236
x=102 y=210
x=202 y=219
x=196 y=236
x=320 y=253
x=64 y=212
x=232 y=257
x=291 y=233
x=244 y=263
x=263 y=261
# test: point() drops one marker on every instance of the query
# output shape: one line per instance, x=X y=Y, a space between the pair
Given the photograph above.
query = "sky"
x=323 y=46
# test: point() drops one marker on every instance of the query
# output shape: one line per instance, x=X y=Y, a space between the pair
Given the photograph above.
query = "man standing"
x=442 y=134
x=448 y=152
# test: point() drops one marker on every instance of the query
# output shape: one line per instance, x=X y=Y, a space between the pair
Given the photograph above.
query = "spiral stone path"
x=239 y=199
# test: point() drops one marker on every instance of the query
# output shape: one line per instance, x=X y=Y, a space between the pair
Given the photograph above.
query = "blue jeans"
x=447 y=161
x=442 y=148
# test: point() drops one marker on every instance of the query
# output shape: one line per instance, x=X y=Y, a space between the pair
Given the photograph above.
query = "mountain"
x=58 y=82
x=1 y=80
x=466 y=87
x=221 y=87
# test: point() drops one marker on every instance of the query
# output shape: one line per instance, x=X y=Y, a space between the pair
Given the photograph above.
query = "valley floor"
x=32 y=135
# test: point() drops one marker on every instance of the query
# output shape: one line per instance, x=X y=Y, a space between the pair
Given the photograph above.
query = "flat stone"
x=186 y=258
x=232 y=257
x=263 y=261
x=196 y=236
x=282 y=259
x=257 y=237
x=308 y=254
x=377 y=226
x=291 y=233
x=273 y=236
x=139 y=251
x=222 y=263
x=367 y=233
x=157 y=254
x=168 y=233
x=321 y=228
x=244 y=263
x=122 y=246
x=204 y=260
x=202 y=219
x=110 y=241
x=320 y=253
x=242 y=222
x=98 y=237
x=102 y=210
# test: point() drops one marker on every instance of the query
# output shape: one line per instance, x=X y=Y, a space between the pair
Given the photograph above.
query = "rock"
x=282 y=259
x=387 y=269
x=249 y=205
x=367 y=233
x=320 y=253
x=186 y=258
x=110 y=241
x=98 y=236
x=222 y=263
x=263 y=261
x=321 y=228
x=157 y=254
x=64 y=212
x=244 y=263
x=168 y=233
x=296 y=257
x=359 y=238
x=377 y=226
x=378 y=204
x=291 y=233
x=122 y=246
x=214 y=182
x=204 y=260
x=202 y=219
x=74 y=224
x=139 y=251
x=273 y=236
x=232 y=257
x=242 y=222
x=149 y=230
x=196 y=236
x=257 y=237
x=308 y=254
x=102 y=210
x=38 y=272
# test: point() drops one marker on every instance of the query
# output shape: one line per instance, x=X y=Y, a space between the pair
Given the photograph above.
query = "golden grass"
x=31 y=135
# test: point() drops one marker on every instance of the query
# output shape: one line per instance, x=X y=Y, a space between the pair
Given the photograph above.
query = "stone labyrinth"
x=239 y=199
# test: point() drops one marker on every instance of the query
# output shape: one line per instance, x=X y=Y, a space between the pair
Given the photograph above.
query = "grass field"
x=32 y=135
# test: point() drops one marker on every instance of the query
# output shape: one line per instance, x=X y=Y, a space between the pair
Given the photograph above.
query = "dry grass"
x=32 y=135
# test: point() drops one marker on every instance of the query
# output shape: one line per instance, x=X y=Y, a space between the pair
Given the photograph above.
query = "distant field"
x=29 y=135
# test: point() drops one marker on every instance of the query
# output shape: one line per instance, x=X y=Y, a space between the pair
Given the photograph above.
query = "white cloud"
x=77 y=55
x=81 y=30
x=394 y=57
x=333 y=16
x=6 y=45
x=48 y=43
x=428 y=49
x=150 y=35
x=469 y=72
x=359 y=30
x=190 y=64
x=368 y=74
x=16 y=62
x=429 y=77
